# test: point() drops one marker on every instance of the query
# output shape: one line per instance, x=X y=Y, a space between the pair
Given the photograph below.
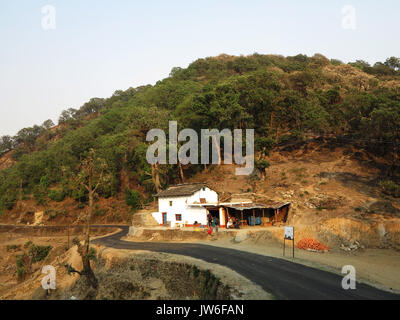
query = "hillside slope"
x=327 y=139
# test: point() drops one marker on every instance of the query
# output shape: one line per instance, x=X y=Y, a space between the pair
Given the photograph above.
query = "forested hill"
x=282 y=98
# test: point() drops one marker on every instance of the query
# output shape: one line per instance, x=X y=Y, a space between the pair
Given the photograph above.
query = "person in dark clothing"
x=237 y=224
x=209 y=218
x=216 y=220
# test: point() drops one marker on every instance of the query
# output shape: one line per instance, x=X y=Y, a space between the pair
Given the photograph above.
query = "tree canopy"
x=282 y=98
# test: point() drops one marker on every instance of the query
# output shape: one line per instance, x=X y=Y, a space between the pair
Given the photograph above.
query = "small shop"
x=253 y=215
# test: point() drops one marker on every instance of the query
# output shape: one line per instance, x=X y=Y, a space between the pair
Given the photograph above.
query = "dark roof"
x=250 y=206
x=276 y=205
x=181 y=190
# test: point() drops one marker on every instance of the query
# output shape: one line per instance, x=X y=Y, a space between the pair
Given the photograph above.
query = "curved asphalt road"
x=283 y=279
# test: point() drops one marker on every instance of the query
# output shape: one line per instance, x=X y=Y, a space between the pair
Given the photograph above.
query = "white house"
x=186 y=204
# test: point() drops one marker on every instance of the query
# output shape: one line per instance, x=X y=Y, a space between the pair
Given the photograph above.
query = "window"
x=204 y=188
x=170 y=203
x=178 y=217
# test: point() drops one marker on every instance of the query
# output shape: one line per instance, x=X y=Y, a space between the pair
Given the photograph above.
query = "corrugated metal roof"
x=251 y=206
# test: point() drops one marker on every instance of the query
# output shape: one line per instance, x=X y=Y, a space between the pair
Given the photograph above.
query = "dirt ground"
x=377 y=267
x=123 y=274
x=165 y=276
x=321 y=181
x=8 y=279
x=8 y=268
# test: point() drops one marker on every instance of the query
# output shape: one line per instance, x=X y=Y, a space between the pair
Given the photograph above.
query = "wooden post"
x=284 y=242
x=227 y=215
x=293 y=243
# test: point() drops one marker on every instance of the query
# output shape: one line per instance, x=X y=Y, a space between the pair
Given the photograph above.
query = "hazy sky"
x=98 y=47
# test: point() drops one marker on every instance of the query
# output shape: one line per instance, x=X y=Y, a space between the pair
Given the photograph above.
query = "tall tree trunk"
x=181 y=172
x=158 y=183
x=155 y=174
x=88 y=167
x=180 y=168
x=218 y=148
x=87 y=269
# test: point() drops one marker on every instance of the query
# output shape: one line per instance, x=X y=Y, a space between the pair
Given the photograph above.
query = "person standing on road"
x=216 y=225
x=209 y=218
x=230 y=223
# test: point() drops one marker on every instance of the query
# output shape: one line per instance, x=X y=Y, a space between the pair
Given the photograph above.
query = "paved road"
x=283 y=279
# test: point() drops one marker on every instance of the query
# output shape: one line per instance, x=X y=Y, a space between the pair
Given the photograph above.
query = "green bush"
x=262 y=165
x=132 y=199
x=13 y=247
x=51 y=213
x=391 y=188
x=44 y=182
x=81 y=205
x=48 y=212
x=99 y=212
x=92 y=254
x=79 y=195
x=23 y=263
x=38 y=253
x=9 y=200
x=40 y=195
x=56 y=195
x=285 y=138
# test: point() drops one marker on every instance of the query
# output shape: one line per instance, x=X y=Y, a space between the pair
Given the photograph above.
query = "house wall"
x=208 y=194
x=181 y=205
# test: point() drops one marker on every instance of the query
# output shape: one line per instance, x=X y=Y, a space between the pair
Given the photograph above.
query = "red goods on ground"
x=311 y=244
